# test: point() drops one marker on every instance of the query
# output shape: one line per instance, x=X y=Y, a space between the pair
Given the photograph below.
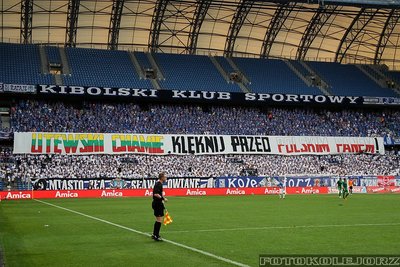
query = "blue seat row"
x=93 y=67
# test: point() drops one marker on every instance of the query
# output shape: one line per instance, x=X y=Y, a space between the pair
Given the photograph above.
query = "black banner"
x=202 y=97
x=117 y=183
x=212 y=97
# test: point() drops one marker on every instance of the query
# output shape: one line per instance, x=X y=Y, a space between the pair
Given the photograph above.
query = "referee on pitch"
x=158 y=205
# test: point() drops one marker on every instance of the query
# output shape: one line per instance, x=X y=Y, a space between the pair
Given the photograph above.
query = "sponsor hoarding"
x=112 y=193
x=10 y=195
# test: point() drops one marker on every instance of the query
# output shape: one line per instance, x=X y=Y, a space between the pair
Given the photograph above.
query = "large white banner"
x=164 y=144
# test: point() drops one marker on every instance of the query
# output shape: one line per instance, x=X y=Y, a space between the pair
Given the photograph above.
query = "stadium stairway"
x=244 y=77
x=53 y=58
x=50 y=61
x=311 y=77
x=136 y=64
x=231 y=72
x=156 y=73
x=300 y=71
x=44 y=63
x=65 y=66
x=147 y=68
x=155 y=66
x=58 y=79
x=220 y=69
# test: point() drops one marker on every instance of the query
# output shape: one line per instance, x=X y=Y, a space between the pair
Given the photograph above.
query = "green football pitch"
x=206 y=231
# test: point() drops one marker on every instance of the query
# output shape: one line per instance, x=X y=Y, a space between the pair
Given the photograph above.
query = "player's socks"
x=157 y=226
x=154 y=229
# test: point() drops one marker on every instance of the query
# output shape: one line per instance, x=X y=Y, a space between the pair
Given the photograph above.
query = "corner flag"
x=167 y=218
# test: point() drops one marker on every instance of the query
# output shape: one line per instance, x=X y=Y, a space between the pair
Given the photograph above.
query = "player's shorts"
x=158 y=208
x=351 y=187
x=282 y=191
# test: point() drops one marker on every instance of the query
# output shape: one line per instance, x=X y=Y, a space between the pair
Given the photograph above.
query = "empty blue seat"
x=192 y=72
x=94 y=67
x=20 y=64
x=273 y=76
x=349 y=80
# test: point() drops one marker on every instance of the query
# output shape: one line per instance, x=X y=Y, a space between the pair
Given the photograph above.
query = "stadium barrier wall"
x=208 y=182
x=117 y=193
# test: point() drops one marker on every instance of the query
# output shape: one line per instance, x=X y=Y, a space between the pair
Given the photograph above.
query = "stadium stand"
x=20 y=64
x=30 y=115
x=273 y=76
x=7 y=167
x=192 y=72
x=93 y=67
x=348 y=80
x=140 y=166
x=4 y=153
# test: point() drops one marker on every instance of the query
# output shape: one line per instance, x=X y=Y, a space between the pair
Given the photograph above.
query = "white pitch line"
x=282 y=227
x=146 y=234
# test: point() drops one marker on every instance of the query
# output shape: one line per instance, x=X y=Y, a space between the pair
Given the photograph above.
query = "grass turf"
x=239 y=228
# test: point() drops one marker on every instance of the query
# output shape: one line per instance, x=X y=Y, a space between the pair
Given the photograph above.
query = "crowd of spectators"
x=142 y=166
x=30 y=115
x=5 y=154
x=33 y=115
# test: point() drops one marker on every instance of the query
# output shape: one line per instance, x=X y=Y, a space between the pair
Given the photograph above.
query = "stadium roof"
x=344 y=30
